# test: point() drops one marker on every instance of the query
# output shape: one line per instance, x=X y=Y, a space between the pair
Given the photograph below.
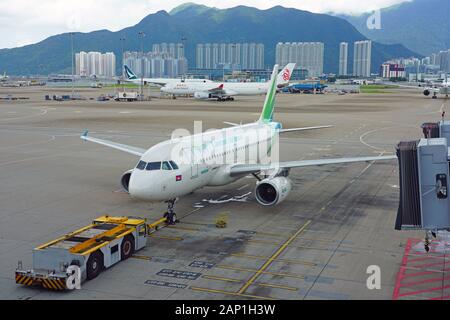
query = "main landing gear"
x=170 y=215
x=221 y=99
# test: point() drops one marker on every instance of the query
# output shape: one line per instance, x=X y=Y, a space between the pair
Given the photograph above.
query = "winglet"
x=85 y=134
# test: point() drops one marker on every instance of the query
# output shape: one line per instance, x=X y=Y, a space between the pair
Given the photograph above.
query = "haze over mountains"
x=200 y=24
x=422 y=25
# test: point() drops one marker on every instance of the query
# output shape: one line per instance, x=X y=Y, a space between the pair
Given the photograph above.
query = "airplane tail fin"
x=130 y=74
x=285 y=75
x=269 y=104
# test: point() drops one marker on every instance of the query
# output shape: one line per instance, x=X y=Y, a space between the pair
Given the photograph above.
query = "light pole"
x=122 y=40
x=72 y=58
x=142 y=35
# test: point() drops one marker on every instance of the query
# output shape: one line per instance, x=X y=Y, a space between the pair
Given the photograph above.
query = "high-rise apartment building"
x=237 y=55
x=343 y=59
x=307 y=55
x=362 y=56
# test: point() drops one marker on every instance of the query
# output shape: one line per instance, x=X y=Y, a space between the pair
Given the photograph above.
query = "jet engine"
x=273 y=191
x=426 y=92
x=125 y=180
x=202 y=95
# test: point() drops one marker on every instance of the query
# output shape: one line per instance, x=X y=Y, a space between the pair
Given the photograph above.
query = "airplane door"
x=194 y=171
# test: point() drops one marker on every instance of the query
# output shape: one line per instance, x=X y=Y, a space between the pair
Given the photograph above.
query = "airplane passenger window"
x=166 y=166
x=141 y=165
x=152 y=166
x=174 y=165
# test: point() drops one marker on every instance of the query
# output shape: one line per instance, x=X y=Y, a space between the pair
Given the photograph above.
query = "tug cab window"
x=141 y=165
x=174 y=165
x=153 y=166
x=166 y=166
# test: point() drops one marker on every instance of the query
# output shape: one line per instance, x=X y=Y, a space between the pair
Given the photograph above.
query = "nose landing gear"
x=170 y=215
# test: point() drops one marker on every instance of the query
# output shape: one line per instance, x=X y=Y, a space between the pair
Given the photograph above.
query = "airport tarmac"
x=318 y=244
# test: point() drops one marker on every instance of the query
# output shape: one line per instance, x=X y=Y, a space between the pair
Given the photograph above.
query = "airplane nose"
x=138 y=189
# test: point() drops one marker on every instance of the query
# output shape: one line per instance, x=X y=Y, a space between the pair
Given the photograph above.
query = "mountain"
x=421 y=25
x=200 y=24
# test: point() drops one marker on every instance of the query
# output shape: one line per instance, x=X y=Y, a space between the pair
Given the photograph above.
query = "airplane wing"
x=122 y=147
x=304 y=129
x=254 y=168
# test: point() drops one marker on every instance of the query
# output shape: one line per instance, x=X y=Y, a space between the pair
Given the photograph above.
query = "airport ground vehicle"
x=127 y=96
x=98 y=246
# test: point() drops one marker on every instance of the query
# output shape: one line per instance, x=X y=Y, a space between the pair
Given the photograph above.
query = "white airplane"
x=182 y=165
x=4 y=77
x=227 y=90
x=442 y=88
x=133 y=78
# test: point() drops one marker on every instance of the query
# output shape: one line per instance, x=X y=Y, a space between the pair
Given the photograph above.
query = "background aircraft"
x=177 y=167
x=225 y=91
x=131 y=77
x=433 y=89
x=4 y=77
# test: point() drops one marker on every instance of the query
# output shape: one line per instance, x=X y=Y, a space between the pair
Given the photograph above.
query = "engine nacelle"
x=202 y=95
x=125 y=180
x=271 y=192
x=426 y=92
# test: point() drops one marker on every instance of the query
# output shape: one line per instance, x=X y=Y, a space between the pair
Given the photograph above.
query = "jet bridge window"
x=141 y=165
x=174 y=165
x=153 y=166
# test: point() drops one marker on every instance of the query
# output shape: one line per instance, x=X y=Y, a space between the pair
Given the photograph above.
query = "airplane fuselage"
x=229 y=88
x=199 y=164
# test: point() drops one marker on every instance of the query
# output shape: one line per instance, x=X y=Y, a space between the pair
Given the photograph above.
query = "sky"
x=25 y=22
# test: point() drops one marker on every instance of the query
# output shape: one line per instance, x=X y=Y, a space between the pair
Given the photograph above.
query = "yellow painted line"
x=270 y=285
x=231 y=293
x=142 y=258
x=242 y=255
x=274 y=257
x=167 y=238
x=287 y=275
x=221 y=279
x=198 y=223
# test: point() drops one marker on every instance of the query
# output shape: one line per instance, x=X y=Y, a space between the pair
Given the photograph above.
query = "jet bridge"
x=424 y=181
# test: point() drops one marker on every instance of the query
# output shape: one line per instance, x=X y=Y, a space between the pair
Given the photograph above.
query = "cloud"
x=24 y=22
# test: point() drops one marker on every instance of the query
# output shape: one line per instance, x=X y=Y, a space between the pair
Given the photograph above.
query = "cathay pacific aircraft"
x=133 y=78
x=226 y=91
x=186 y=163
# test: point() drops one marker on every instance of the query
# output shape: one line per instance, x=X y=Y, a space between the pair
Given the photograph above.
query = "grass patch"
x=376 y=88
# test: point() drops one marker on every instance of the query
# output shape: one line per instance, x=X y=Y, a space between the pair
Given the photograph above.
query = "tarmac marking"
x=142 y=258
x=274 y=257
x=231 y=293
x=243 y=187
x=270 y=285
x=222 y=279
x=258 y=242
x=243 y=255
x=287 y=275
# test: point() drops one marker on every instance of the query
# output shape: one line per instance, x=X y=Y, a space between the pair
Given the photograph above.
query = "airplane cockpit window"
x=153 y=166
x=166 y=166
x=141 y=165
x=174 y=165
